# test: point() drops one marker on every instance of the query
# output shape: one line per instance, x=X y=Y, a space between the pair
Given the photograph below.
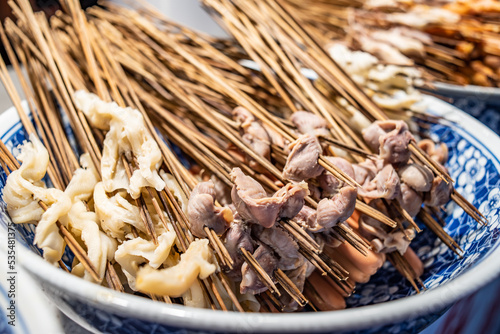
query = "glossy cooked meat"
x=202 y=211
x=439 y=194
x=251 y=283
x=237 y=237
x=253 y=134
x=302 y=162
x=365 y=171
x=329 y=183
x=284 y=246
x=382 y=238
x=390 y=138
x=337 y=209
x=254 y=206
x=417 y=177
x=384 y=185
x=307 y=122
x=330 y=212
x=410 y=199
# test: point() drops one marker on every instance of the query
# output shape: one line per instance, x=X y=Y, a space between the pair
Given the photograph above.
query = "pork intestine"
x=127 y=134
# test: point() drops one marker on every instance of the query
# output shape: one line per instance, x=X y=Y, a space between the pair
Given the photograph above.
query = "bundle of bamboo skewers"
x=457 y=42
x=186 y=85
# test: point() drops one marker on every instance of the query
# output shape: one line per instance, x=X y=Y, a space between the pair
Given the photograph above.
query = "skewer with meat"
x=255 y=206
x=378 y=180
x=302 y=162
x=382 y=238
x=202 y=211
x=253 y=134
x=390 y=139
x=309 y=123
x=250 y=280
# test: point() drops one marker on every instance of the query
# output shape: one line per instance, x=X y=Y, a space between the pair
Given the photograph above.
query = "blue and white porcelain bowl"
x=385 y=304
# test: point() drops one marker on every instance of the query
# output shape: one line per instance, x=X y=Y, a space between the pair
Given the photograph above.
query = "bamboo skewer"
x=257 y=268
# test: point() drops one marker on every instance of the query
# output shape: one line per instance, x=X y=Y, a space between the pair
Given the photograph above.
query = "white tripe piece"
x=116 y=214
x=355 y=63
x=390 y=86
x=194 y=296
x=407 y=45
x=176 y=280
x=138 y=251
x=375 y=4
x=83 y=223
x=127 y=134
x=420 y=16
x=23 y=190
x=398 y=100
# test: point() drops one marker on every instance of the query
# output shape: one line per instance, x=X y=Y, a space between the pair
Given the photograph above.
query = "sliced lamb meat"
x=251 y=282
x=417 y=177
x=410 y=200
x=314 y=192
x=284 y=246
x=276 y=138
x=302 y=162
x=243 y=116
x=253 y=204
x=391 y=139
x=307 y=122
x=202 y=212
x=329 y=183
x=384 y=185
x=237 y=237
x=439 y=194
x=294 y=198
x=437 y=153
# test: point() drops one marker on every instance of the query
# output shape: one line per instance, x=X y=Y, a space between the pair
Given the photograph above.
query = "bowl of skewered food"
x=159 y=186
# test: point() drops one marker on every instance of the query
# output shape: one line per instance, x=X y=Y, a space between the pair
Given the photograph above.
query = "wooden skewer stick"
x=264 y=277
x=428 y=220
x=290 y=288
x=139 y=202
x=112 y=278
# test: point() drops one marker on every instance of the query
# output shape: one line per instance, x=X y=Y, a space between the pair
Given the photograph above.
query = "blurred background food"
x=451 y=41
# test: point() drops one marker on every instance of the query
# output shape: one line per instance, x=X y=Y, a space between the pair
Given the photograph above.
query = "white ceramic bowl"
x=391 y=303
